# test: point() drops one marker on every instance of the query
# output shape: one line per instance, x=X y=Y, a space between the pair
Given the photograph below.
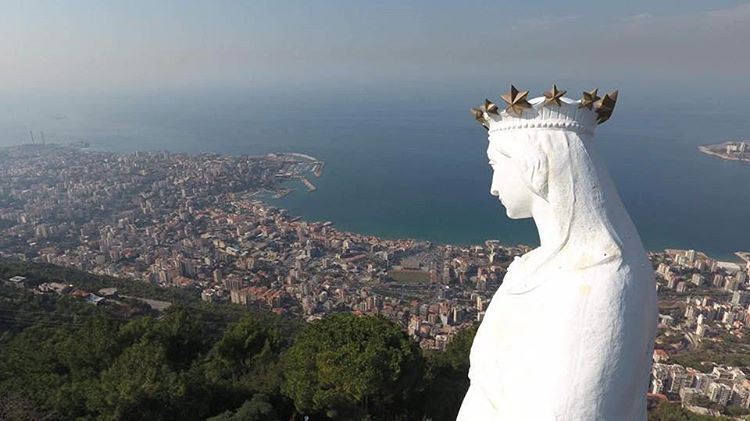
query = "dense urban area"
x=200 y=224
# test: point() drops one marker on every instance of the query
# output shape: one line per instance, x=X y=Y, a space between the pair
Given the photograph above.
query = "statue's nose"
x=494 y=192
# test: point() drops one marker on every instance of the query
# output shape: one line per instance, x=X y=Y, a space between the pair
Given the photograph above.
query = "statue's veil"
x=563 y=168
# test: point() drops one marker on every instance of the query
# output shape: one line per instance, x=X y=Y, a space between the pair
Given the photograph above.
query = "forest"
x=63 y=358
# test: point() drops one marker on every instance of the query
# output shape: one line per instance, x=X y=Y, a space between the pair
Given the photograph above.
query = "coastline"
x=307 y=164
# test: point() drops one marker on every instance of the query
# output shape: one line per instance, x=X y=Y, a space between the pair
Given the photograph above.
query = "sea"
x=412 y=164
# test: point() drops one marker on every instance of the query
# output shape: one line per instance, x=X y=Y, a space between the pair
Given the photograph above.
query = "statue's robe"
x=554 y=345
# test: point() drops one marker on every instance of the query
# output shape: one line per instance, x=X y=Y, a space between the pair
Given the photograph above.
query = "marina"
x=296 y=166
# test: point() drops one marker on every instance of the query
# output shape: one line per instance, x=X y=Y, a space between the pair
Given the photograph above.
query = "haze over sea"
x=412 y=163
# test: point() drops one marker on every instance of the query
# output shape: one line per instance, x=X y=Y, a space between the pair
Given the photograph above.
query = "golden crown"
x=553 y=110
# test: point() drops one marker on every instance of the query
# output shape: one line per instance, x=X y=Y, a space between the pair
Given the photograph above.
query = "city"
x=197 y=222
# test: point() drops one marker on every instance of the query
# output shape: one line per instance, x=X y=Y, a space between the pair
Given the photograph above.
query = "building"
x=94 y=299
x=690 y=312
x=688 y=395
x=700 y=330
x=741 y=277
x=680 y=378
x=660 y=356
x=16 y=282
x=208 y=295
x=732 y=284
x=718 y=280
x=719 y=393
x=701 y=382
x=697 y=279
x=741 y=394
x=739 y=298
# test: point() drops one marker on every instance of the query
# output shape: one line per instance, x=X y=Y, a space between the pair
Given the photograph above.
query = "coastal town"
x=198 y=223
x=201 y=223
x=731 y=150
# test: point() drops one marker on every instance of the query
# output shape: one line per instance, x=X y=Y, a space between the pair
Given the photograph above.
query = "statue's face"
x=508 y=186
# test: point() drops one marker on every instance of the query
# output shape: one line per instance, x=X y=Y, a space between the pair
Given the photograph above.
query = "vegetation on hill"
x=729 y=350
x=351 y=367
x=62 y=358
x=667 y=411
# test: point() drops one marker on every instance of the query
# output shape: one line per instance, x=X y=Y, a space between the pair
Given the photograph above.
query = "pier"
x=310 y=186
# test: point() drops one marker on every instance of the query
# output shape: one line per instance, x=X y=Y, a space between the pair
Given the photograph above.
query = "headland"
x=733 y=150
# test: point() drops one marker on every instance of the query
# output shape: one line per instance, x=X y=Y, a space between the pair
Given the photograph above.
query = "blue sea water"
x=411 y=164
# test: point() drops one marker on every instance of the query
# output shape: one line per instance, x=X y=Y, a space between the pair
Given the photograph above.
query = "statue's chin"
x=515 y=214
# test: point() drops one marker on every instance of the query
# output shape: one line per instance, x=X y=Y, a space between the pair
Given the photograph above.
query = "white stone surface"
x=569 y=334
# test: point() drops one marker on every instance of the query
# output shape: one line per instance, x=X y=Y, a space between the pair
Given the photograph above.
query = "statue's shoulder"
x=526 y=274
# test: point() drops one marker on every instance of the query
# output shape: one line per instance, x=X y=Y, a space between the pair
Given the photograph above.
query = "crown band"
x=542 y=124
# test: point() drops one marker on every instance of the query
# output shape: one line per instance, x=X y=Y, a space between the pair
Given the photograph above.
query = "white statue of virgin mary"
x=569 y=334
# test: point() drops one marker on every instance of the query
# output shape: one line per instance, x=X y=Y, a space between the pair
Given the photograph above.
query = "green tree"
x=346 y=366
x=182 y=336
x=61 y=358
x=15 y=408
x=153 y=375
x=85 y=353
x=30 y=365
x=666 y=411
x=447 y=378
x=256 y=409
x=244 y=363
x=248 y=344
x=736 y=410
x=140 y=384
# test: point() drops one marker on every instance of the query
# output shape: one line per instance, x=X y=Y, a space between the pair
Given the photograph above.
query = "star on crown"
x=605 y=106
x=516 y=100
x=554 y=96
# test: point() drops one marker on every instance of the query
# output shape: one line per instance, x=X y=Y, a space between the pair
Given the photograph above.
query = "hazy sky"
x=48 y=46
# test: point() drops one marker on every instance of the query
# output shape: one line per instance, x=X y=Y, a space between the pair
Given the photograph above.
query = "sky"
x=93 y=46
